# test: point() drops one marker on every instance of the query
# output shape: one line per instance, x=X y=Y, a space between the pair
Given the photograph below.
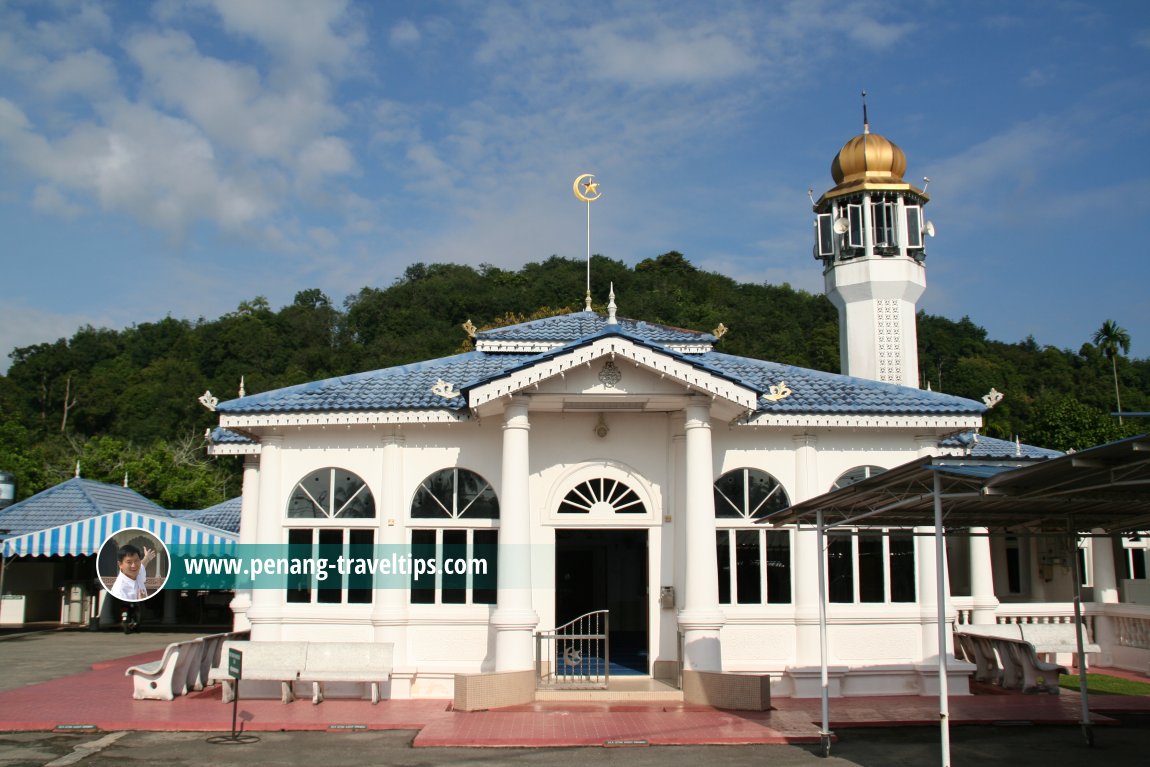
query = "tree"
x=1064 y=423
x=1113 y=340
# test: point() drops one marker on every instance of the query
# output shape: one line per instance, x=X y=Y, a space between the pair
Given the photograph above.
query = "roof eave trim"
x=343 y=418
x=864 y=420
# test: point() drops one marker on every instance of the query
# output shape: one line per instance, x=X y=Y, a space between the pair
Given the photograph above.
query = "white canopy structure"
x=1105 y=488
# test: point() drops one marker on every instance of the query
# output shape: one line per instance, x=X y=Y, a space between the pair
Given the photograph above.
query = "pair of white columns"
x=515 y=619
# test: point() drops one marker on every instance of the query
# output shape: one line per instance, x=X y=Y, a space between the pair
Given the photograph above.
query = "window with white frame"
x=754 y=564
x=331 y=514
x=1134 y=557
x=602 y=497
x=1086 y=560
x=857 y=474
x=870 y=566
x=457 y=513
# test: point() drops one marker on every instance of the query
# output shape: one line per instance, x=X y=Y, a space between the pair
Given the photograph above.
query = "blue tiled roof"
x=69 y=501
x=814 y=391
x=225 y=516
x=221 y=436
x=409 y=387
x=981 y=446
x=565 y=328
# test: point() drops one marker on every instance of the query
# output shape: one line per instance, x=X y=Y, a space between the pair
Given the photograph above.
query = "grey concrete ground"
x=24 y=659
x=28 y=658
x=889 y=747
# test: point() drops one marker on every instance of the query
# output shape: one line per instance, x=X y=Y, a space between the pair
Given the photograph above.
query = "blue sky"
x=180 y=156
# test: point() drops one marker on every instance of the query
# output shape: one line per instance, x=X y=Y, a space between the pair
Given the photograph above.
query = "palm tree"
x=1113 y=340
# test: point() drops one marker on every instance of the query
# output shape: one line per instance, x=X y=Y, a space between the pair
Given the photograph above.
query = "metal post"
x=940 y=591
x=825 y=731
x=1079 y=629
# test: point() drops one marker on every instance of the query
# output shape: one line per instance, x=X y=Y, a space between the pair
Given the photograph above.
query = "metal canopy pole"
x=1079 y=629
x=940 y=591
x=825 y=731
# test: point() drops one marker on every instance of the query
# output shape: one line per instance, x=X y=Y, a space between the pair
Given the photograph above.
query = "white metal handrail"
x=576 y=655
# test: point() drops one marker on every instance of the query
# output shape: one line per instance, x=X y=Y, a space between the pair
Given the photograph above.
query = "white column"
x=868 y=227
x=389 y=614
x=700 y=619
x=514 y=618
x=266 y=603
x=249 y=533
x=1105 y=577
x=804 y=557
x=983 y=600
x=926 y=559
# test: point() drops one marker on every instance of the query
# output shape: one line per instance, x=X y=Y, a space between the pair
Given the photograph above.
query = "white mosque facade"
x=626 y=466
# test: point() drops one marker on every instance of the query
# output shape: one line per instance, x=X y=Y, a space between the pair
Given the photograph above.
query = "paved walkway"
x=101 y=697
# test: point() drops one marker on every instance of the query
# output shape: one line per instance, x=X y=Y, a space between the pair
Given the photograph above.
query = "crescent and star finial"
x=586 y=188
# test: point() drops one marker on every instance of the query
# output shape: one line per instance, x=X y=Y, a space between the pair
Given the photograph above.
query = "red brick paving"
x=103 y=697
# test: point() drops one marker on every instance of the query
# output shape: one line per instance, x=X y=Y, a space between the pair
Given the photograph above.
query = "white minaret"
x=869 y=235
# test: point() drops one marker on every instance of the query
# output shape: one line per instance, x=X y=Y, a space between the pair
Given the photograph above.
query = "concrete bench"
x=263 y=661
x=199 y=676
x=1007 y=662
x=167 y=677
x=367 y=662
x=1052 y=638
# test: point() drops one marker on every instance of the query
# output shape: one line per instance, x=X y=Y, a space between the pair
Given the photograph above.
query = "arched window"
x=459 y=546
x=754 y=563
x=331 y=493
x=455 y=493
x=857 y=474
x=602 y=496
x=748 y=494
x=326 y=496
x=870 y=564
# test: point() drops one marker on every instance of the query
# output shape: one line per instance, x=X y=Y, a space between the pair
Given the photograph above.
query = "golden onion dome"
x=869 y=157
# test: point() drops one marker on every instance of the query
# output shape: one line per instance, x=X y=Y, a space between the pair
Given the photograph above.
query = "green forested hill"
x=126 y=401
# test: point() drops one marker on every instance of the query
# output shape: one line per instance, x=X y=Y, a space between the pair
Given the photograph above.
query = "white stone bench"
x=200 y=675
x=367 y=662
x=1053 y=638
x=1011 y=663
x=262 y=661
x=167 y=677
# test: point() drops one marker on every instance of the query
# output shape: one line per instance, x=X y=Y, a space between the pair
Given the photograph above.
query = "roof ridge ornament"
x=208 y=401
x=586 y=188
x=611 y=319
x=469 y=326
x=992 y=398
x=778 y=392
x=444 y=389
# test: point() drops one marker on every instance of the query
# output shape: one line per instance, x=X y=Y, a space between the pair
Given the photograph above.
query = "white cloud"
x=304 y=34
x=404 y=34
x=88 y=73
x=140 y=162
x=639 y=55
x=49 y=199
x=230 y=102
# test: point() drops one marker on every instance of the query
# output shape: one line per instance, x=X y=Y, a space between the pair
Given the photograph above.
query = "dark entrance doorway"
x=606 y=570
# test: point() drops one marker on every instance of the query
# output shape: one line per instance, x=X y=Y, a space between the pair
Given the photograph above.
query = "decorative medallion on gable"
x=610 y=375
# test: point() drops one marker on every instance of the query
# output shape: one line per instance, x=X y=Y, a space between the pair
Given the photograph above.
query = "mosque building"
x=625 y=466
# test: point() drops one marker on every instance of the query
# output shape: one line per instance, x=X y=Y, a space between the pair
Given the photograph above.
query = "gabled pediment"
x=611 y=372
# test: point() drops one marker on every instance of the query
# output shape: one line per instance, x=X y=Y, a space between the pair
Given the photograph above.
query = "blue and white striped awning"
x=84 y=536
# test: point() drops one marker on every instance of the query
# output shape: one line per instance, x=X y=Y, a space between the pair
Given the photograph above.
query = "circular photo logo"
x=133 y=564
